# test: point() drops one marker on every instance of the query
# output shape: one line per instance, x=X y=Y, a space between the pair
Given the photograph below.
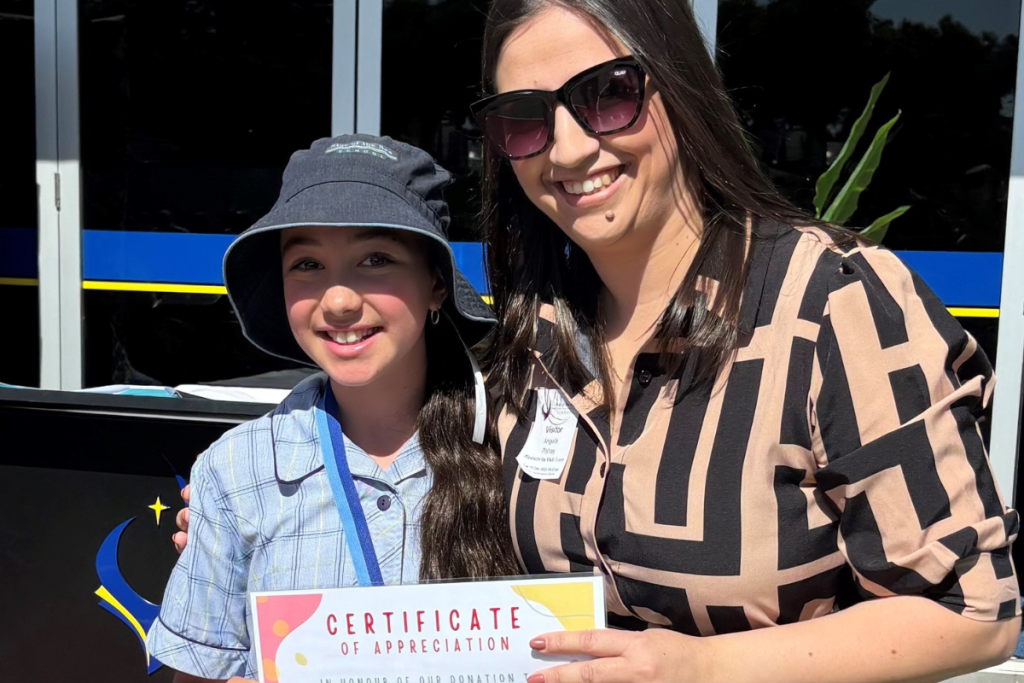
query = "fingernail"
x=538 y=644
x=535 y=678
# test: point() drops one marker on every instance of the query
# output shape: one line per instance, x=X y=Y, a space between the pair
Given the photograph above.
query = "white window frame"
x=706 y=12
x=1005 y=441
x=368 y=65
x=45 y=29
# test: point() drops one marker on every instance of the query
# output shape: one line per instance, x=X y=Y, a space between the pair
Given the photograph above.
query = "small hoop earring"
x=435 y=316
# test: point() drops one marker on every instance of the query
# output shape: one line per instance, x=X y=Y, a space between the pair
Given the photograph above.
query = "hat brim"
x=252 y=264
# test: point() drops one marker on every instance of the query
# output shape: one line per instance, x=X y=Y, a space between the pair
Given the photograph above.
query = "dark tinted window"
x=19 y=298
x=430 y=75
x=189 y=112
x=801 y=70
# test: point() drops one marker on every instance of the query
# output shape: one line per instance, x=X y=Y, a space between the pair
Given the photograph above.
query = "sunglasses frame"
x=552 y=98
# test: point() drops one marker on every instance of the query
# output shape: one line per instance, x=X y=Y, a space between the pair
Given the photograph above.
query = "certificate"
x=458 y=632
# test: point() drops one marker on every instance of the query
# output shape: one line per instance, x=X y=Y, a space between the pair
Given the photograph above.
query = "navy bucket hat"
x=346 y=181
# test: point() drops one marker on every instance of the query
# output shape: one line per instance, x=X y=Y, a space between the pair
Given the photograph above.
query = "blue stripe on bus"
x=966 y=279
x=959 y=278
x=180 y=257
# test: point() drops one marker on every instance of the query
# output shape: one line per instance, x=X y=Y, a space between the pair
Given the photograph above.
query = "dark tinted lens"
x=608 y=100
x=518 y=127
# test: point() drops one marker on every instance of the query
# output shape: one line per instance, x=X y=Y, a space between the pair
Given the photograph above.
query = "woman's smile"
x=592 y=190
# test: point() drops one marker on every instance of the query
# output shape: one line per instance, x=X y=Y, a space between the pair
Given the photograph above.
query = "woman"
x=774 y=422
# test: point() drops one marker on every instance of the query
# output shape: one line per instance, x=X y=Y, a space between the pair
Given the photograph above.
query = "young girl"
x=351 y=270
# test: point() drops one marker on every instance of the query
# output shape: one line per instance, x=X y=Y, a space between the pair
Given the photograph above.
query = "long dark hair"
x=464 y=528
x=532 y=261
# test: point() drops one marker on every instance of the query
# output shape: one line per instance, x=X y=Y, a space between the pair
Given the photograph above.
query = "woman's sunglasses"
x=604 y=99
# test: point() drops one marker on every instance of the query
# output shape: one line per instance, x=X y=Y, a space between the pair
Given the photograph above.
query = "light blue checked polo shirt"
x=262 y=518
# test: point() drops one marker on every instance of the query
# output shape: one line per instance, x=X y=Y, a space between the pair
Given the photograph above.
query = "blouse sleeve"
x=896 y=390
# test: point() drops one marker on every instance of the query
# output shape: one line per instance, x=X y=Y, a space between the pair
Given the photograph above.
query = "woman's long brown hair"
x=464 y=528
x=532 y=261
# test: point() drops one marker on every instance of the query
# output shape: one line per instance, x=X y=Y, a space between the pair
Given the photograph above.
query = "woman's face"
x=358 y=299
x=643 y=161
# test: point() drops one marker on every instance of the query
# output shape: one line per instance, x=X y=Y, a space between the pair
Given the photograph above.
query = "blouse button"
x=384 y=502
x=643 y=377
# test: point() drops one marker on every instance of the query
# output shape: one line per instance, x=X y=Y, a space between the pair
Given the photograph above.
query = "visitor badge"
x=547 y=446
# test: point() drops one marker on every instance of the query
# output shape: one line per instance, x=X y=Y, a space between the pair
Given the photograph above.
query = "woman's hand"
x=181 y=519
x=651 y=656
x=236 y=679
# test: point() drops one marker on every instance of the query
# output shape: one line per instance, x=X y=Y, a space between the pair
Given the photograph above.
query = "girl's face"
x=358 y=300
x=643 y=161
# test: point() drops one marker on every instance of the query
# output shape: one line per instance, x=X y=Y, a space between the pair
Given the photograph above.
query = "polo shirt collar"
x=298 y=453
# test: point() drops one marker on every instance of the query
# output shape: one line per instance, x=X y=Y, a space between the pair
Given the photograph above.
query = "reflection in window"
x=801 y=70
x=430 y=75
x=189 y=113
x=19 y=298
x=190 y=110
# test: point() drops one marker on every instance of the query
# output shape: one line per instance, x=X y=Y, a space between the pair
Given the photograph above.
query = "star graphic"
x=158 y=507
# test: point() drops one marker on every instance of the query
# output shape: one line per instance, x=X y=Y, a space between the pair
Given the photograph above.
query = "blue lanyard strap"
x=353 y=521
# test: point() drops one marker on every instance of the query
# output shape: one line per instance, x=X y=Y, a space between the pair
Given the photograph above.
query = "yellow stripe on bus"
x=974 y=312
x=160 y=287
x=19 y=281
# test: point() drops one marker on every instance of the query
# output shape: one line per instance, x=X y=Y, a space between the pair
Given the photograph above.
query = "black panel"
x=581 y=466
x=719 y=553
x=910 y=392
x=867 y=555
x=778 y=266
x=642 y=396
x=887 y=314
x=514 y=445
x=1001 y=563
x=812 y=306
x=526 y=538
x=1007 y=609
x=728 y=619
x=794 y=596
x=794 y=429
x=671 y=493
x=665 y=600
x=572 y=544
x=799 y=544
x=907 y=448
x=837 y=419
x=70 y=479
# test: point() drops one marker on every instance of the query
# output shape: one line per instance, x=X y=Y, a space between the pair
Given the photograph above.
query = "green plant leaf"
x=828 y=179
x=876 y=231
x=845 y=203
